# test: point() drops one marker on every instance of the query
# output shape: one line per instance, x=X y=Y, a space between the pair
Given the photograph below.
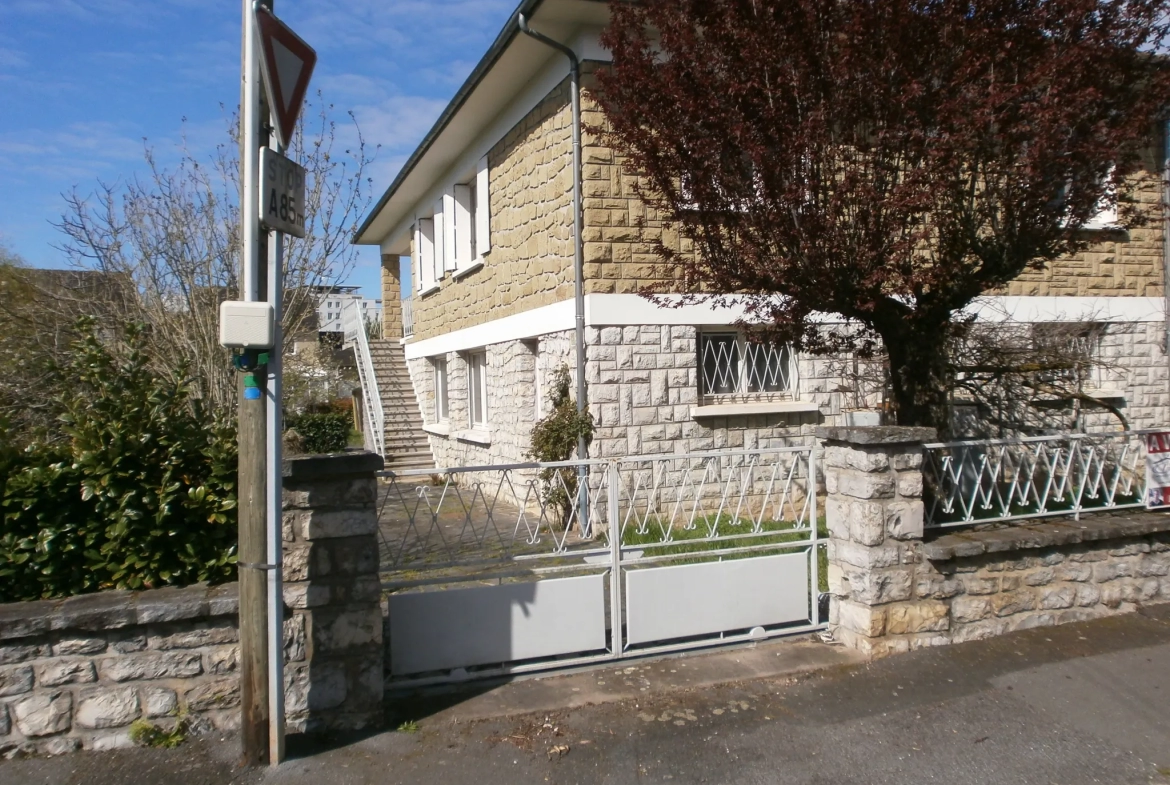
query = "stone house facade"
x=481 y=217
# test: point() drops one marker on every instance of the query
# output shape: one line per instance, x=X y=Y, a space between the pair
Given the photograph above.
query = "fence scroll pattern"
x=994 y=480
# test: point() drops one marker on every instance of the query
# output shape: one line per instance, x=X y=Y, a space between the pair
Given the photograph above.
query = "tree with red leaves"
x=885 y=160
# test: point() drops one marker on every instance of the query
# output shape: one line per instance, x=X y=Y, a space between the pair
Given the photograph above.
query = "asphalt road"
x=1084 y=703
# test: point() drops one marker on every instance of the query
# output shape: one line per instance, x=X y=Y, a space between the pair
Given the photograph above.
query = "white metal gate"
x=511 y=568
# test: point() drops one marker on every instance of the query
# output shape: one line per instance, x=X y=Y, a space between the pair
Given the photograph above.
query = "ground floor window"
x=440 y=368
x=731 y=364
x=477 y=389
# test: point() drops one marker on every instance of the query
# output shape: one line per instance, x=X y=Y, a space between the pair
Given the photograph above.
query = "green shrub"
x=554 y=438
x=139 y=494
x=322 y=433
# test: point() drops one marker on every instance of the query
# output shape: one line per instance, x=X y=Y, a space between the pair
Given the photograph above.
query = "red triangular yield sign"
x=287 y=63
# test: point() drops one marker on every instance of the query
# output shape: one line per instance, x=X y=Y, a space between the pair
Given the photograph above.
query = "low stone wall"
x=897 y=587
x=76 y=673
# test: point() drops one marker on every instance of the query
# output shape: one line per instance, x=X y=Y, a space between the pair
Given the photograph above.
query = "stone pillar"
x=332 y=593
x=391 y=297
x=874 y=513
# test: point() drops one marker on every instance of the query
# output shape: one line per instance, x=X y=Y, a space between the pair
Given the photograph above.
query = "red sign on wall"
x=1158 y=469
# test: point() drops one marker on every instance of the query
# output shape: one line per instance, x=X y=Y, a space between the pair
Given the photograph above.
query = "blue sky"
x=86 y=84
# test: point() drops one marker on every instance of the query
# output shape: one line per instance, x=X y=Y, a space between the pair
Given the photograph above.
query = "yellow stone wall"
x=531 y=259
x=1120 y=263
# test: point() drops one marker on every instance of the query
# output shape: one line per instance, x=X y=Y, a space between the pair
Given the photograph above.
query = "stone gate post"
x=874 y=513
x=333 y=630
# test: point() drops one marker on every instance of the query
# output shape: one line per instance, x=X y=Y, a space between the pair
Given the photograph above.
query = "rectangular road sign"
x=282 y=193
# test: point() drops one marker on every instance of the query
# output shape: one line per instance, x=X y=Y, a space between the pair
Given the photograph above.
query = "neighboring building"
x=482 y=209
x=331 y=300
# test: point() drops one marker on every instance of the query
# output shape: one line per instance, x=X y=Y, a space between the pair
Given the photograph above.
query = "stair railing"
x=353 y=325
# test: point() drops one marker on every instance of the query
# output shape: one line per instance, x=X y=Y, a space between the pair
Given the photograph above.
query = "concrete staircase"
x=406 y=442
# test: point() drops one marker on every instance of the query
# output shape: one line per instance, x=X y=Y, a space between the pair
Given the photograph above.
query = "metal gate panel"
x=664 y=603
x=460 y=628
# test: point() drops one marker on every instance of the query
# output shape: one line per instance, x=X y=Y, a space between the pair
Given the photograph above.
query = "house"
x=483 y=213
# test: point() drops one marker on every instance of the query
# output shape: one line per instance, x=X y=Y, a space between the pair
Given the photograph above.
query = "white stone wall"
x=1136 y=364
x=511 y=382
x=643 y=382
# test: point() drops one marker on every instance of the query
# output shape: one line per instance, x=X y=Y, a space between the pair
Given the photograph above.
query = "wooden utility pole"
x=253 y=547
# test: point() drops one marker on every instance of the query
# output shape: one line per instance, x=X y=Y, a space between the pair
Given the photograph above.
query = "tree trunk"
x=919 y=371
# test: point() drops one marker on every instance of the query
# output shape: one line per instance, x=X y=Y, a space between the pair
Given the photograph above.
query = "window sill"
x=744 y=409
x=438 y=428
x=431 y=290
x=467 y=270
x=475 y=437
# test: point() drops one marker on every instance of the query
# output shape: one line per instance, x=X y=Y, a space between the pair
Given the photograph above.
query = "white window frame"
x=442 y=398
x=743 y=378
x=477 y=392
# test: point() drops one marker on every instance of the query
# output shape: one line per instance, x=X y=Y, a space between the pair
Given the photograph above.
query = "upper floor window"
x=730 y=364
x=457 y=233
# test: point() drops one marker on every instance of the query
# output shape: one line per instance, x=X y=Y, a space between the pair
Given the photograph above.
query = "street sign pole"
x=275 y=487
x=272 y=195
x=253 y=549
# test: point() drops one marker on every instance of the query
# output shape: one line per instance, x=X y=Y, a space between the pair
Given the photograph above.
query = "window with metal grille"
x=732 y=365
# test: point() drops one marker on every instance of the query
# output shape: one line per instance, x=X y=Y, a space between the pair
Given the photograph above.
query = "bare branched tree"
x=174 y=236
x=1027 y=379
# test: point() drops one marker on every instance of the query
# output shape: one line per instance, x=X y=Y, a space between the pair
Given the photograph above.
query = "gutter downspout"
x=1166 y=234
x=578 y=249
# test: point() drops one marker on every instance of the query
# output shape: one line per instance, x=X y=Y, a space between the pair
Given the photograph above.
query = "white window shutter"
x=463 y=227
x=450 y=222
x=483 y=226
x=416 y=257
x=427 y=258
x=440 y=240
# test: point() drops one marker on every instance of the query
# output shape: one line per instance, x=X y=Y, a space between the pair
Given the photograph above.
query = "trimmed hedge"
x=322 y=433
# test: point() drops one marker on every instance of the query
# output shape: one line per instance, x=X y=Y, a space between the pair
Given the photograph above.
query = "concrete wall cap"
x=876 y=434
x=1045 y=534
x=109 y=610
x=308 y=468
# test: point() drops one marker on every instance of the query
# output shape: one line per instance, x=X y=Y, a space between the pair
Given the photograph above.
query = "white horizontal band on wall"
x=622 y=310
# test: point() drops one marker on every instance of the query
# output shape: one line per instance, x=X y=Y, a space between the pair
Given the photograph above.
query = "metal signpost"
x=272 y=204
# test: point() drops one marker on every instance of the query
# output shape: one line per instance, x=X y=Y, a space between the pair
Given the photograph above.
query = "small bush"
x=147 y=734
x=554 y=438
x=322 y=433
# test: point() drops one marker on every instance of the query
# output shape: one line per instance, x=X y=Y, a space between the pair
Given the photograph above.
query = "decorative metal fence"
x=501 y=569
x=993 y=480
x=353 y=324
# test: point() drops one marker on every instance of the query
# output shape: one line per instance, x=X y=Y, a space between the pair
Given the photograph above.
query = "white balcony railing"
x=407 y=317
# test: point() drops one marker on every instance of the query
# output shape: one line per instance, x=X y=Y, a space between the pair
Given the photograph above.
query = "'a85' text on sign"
x=282 y=193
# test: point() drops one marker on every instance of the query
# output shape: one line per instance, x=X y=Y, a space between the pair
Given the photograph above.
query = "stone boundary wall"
x=896 y=586
x=76 y=673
